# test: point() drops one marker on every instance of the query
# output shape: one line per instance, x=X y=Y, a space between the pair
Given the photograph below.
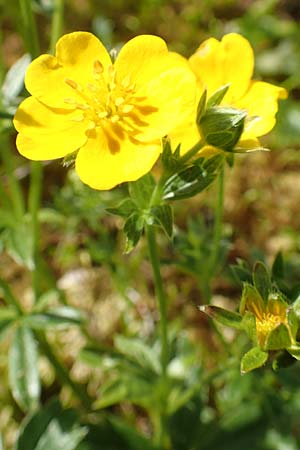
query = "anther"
x=115 y=118
x=127 y=108
x=119 y=101
x=71 y=83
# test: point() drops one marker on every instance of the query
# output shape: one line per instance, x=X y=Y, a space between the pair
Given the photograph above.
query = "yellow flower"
x=268 y=316
x=231 y=62
x=113 y=114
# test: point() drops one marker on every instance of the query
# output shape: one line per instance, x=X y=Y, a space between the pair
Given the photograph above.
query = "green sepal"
x=124 y=209
x=262 y=280
x=250 y=296
x=201 y=107
x=191 y=180
x=293 y=323
x=228 y=318
x=296 y=307
x=253 y=359
x=141 y=190
x=279 y=338
x=249 y=326
x=69 y=159
x=218 y=96
x=133 y=229
x=278 y=266
x=170 y=159
x=222 y=127
x=162 y=215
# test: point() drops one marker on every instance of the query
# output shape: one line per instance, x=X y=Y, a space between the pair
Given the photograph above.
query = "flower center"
x=112 y=105
x=267 y=322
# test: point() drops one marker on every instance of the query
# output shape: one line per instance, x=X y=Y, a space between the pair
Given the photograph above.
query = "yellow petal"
x=261 y=103
x=172 y=94
x=139 y=59
x=229 y=61
x=76 y=54
x=46 y=134
x=103 y=169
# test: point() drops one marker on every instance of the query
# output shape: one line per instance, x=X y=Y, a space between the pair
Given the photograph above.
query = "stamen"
x=71 y=83
x=115 y=118
x=102 y=114
x=98 y=67
x=127 y=109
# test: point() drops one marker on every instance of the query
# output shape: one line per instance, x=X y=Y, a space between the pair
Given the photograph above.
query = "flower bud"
x=222 y=126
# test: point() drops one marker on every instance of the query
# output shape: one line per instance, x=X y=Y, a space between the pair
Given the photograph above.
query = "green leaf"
x=8 y=295
x=162 y=215
x=51 y=428
x=139 y=352
x=14 y=79
x=126 y=387
x=124 y=209
x=278 y=266
x=262 y=280
x=283 y=360
x=141 y=190
x=249 y=325
x=131 y=436
x=294 y=350
x=23 y=369
x=218 y=96
x=228 y=318
x=133 y=229
x=253 y=359
x=279 y=338
x=61 y=317
x=19 y=244
x=187 y=183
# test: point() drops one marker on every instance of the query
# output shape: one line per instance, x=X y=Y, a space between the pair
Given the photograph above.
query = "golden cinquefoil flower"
x=269 y=316
x=231 y=62
x=112 y=114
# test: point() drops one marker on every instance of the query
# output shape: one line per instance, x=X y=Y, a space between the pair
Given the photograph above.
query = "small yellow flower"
x=113 y=114
x=268 y=316
x=231 y=62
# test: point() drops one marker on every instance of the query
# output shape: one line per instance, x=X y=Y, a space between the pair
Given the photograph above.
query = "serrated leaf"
x=228 y=318
x=124 y=209
x=133 y=229
x=253 y=359
x=23 y=369
x=262 y=280
x=187 y=183
x=162 y=215
x=141 y=190
x=218 y=96
x=51 y=428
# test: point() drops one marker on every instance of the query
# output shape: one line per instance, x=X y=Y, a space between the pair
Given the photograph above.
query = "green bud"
x=222 y=126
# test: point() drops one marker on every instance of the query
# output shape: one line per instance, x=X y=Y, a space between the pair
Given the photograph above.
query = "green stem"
x=217 y=235
x=34 y=199
x=57 y=23
x=192 y=152
x=61 y=372
x=163 y=324
x=29 y=27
